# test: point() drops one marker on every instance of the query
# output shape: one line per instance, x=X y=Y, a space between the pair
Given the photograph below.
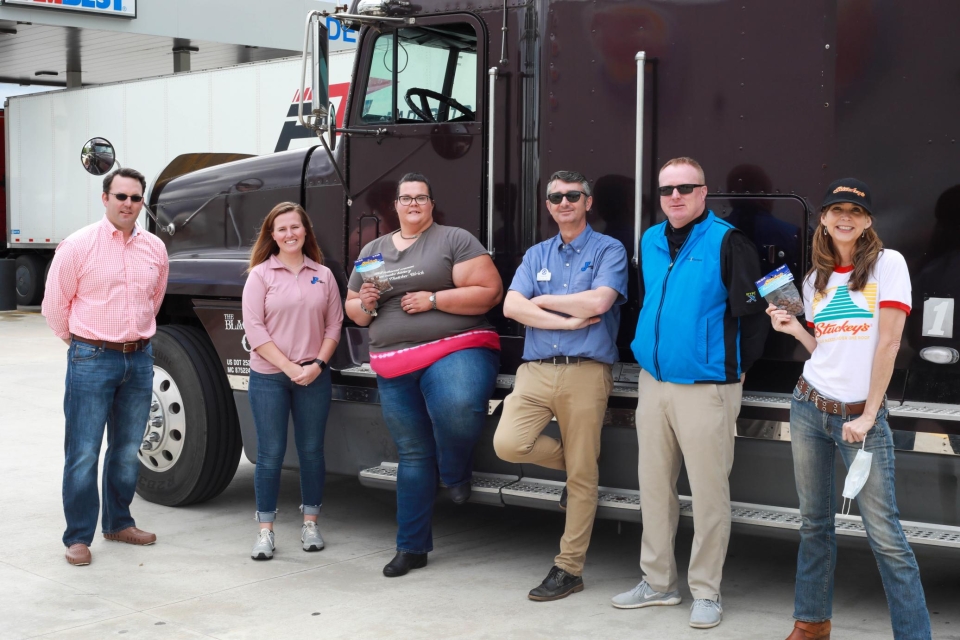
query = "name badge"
x=543 y=275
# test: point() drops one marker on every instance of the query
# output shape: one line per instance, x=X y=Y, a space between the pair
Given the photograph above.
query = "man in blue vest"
x=700 y=328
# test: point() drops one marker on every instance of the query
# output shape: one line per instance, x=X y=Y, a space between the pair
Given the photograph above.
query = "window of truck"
x=423 y=74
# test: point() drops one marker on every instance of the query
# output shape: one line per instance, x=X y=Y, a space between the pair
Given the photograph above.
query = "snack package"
x=776 y=289
x=373 y=270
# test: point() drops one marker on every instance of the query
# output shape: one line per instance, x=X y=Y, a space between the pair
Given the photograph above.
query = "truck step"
x=485 y=486
x=624 y=504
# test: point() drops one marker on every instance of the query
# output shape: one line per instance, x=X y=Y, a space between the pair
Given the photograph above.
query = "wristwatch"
x=321 y=364
x=433 y=301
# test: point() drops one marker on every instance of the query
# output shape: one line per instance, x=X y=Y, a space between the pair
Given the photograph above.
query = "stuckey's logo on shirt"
x=846 y=312
x=316 y=280
x=823 y=329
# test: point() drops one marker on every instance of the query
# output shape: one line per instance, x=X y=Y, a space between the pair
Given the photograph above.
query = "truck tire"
x=192 y=441
x=30 y=279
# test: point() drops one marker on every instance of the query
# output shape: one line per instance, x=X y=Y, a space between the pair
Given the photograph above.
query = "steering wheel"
x=423 y=111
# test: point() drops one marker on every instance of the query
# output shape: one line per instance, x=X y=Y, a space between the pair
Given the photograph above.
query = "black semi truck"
x=488 y=99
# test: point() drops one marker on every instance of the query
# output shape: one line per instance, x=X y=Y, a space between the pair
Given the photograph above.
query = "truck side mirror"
x=321 y=71
x=98 y=156
x=315 y=43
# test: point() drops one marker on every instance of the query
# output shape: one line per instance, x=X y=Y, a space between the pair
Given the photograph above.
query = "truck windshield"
x=435 y=76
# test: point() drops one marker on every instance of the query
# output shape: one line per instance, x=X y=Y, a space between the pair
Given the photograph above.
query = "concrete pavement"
x=199 y=582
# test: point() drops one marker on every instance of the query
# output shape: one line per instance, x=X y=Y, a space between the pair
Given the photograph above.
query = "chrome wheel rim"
x=163 y=436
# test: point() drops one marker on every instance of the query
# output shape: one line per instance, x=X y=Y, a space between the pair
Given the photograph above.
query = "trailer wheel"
x=191 y=444
x=30 y=278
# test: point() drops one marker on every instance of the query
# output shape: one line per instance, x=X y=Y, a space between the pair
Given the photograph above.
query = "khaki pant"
x=695 y=423
x=577 y=395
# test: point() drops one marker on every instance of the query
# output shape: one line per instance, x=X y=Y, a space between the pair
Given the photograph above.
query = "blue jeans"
x=435 y=416
x=815 y=437
x=111 y=388
x=273 y=397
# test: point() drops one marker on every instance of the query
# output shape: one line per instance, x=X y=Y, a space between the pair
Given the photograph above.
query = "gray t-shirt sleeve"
x=463 y=245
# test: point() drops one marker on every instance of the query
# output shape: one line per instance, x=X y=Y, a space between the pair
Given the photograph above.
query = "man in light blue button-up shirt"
x=568 y=293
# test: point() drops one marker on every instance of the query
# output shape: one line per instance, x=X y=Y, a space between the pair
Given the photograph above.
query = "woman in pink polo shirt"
x=292 y=316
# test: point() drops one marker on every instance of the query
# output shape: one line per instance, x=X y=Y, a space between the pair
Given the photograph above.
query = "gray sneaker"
x=643 y=595
x=310 y=536
x=705 y=614
x=263 y=549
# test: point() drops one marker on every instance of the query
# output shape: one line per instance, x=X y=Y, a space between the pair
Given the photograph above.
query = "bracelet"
x=367 y=311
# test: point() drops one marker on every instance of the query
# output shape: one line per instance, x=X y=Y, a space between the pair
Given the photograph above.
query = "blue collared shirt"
x=590 y=261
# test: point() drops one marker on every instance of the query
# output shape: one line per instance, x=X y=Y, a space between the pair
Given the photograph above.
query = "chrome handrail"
x=638 y=183
x=491 y=128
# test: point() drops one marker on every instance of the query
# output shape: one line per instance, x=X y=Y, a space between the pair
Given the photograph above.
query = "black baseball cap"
x=848 y=190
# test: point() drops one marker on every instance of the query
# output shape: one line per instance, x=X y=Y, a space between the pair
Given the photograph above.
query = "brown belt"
x=125 y=347
x=828 y=405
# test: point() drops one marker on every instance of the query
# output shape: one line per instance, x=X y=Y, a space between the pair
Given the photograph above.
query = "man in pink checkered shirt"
x=103 y=293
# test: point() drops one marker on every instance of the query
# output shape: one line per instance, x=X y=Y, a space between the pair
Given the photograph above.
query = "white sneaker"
x=310 y=536
x=705 y=614
x=643 y=595
x=263 y=549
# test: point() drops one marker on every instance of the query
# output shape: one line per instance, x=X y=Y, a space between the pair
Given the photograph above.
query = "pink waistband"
x=391 y=364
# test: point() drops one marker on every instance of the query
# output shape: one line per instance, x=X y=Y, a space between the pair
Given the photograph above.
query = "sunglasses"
x=408 y=200
x=122 y=197
x=571 y=196
x=684 y=189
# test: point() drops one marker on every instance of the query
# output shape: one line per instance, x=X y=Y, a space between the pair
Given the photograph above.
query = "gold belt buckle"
x=130 y=346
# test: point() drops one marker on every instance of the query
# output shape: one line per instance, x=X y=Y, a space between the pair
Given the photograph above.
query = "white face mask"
x=856 y=477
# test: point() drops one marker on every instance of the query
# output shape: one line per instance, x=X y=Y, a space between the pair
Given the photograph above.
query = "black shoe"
x=558 y=584
x=403 y=562
x=460 y=493
x=563 y=499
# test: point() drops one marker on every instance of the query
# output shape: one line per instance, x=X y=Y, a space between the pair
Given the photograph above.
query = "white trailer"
x=245 y=109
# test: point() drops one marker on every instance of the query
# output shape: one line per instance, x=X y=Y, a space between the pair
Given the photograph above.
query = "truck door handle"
x=376 y=222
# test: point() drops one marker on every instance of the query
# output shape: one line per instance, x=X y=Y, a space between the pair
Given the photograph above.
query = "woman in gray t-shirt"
x=423 y=291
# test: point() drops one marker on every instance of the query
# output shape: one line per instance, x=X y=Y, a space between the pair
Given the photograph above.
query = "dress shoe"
x=460 y=493
x=403 y=562
x=810 y=630
x=132 y=535
x=563 y=498
x=558 y=584
x=78 y=554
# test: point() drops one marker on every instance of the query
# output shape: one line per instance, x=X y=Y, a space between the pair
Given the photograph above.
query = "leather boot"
x=403 y=562
x=810 y=630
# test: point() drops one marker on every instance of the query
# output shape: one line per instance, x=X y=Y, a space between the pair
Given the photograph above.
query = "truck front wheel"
x=191 y=444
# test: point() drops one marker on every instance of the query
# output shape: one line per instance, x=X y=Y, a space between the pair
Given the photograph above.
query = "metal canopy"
x=107 y=56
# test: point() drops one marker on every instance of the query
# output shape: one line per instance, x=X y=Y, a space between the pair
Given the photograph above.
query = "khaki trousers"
x=577 y=395
x=696 y=423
